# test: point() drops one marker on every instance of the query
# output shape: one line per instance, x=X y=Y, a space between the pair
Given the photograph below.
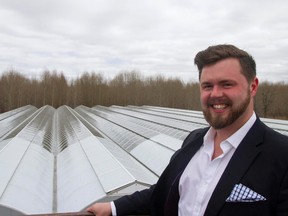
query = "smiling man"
x=226 y=97
x=237 y=166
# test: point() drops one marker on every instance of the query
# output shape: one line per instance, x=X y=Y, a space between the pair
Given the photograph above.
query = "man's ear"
x=254 y=86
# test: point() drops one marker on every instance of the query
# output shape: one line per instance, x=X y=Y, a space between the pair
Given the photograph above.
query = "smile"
x=219 y=106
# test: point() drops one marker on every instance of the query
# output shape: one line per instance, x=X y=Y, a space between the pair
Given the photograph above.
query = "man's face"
x=226 y=94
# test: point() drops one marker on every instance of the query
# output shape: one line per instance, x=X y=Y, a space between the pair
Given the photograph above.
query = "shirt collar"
x=239 y=135
x=235 y=138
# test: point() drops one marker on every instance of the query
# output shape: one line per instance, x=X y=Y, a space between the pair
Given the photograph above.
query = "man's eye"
x=227 y=85
x=207 y=87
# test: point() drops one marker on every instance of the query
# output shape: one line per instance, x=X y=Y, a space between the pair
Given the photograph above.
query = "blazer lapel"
x=242 y=159
x=190 y=146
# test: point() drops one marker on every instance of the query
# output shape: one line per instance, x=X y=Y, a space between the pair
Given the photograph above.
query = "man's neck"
x=224 y=133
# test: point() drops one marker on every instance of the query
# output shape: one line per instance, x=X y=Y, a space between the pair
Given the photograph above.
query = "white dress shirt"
x=202 y=174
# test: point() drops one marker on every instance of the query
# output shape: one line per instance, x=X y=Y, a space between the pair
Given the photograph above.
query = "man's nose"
x=216 y=92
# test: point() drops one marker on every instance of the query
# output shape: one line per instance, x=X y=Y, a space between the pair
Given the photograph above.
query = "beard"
x=219 y=121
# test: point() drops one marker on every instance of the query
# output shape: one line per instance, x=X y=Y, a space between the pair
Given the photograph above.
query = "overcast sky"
x=150 y=36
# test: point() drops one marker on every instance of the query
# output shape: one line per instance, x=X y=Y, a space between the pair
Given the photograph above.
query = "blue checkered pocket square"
x=241 y=193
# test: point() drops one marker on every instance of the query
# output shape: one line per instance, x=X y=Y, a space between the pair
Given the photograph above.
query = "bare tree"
x=126 y=88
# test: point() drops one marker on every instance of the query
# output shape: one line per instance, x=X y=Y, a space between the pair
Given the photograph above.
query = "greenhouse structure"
x=63 y=160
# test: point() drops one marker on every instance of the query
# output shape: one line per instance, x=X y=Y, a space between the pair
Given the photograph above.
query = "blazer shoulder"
x=272 y=142
x=195 y=134
x=278 y=139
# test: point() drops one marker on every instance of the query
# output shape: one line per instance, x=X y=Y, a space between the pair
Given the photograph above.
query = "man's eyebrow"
x=220 y=81
x=227 y=80
x=205 y=83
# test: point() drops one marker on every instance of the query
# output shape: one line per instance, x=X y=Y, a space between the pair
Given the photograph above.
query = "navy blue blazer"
x=260 y=162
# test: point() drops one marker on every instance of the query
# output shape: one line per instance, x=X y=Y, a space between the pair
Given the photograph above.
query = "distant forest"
x=126 y=88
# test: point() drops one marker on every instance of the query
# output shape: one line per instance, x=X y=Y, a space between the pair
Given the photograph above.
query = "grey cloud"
x=150 y=36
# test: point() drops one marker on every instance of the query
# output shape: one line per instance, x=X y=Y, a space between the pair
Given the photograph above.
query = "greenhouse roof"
x=63 y=160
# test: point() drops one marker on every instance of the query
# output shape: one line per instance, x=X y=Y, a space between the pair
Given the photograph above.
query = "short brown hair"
x=216 y=53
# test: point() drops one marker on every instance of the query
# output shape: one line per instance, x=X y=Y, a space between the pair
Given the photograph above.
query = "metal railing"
x=65 y=214
x=70 y=214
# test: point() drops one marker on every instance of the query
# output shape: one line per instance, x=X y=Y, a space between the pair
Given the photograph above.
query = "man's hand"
x=100 y=209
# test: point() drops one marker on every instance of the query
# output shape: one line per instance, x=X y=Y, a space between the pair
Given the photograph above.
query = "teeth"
x=219 y=106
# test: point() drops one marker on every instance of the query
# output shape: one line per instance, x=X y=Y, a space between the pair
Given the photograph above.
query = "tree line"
x=126 y=88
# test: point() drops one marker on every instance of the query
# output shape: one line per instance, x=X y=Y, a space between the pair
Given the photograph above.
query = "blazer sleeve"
x=136 y=203
x=282 y=205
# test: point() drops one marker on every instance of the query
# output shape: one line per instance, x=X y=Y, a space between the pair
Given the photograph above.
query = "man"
x=238 y=166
